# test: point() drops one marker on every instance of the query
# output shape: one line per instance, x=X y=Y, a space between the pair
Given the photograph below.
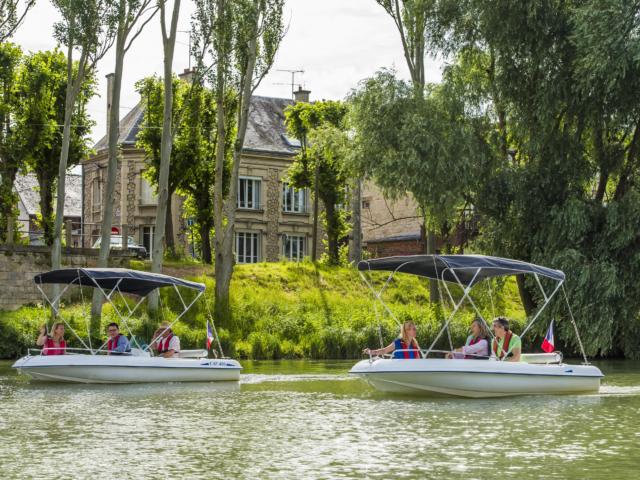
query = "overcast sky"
x=336 y=42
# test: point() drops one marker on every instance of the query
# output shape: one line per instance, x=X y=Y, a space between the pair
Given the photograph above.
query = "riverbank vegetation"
x=281 y=310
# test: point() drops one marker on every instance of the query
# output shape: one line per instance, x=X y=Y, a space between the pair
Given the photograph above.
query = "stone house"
x=273 y=220
x=27 y=189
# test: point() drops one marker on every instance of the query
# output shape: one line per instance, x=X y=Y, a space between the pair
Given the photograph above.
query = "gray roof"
x=28 y=190
x=265 y=132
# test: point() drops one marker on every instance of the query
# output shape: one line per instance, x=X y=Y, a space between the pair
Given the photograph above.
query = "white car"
x=116 y=242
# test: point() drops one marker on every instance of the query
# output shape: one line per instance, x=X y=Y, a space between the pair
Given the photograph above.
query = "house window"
x=294 y=247
x=293 y=200
x=96 y=194
x=148 y=195
x=249 y=193
x=147 y=238
x=247 y=247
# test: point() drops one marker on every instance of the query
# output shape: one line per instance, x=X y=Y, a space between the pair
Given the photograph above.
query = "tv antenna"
x=293 y=78
x=189 y=32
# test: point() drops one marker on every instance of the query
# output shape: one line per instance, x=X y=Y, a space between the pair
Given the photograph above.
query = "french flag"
x=548 y=342
x=209 y=335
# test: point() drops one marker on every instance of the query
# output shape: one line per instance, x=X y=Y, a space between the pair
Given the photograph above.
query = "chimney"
x=109 y=98
x=187 y=75
x=301 y=95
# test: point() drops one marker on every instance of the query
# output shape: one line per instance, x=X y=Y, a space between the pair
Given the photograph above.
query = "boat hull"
x=126 y=369
x=476 y=378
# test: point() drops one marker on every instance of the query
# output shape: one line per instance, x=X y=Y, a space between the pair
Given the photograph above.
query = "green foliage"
x=11 y=160
x=33 y=109
x=286 y=310
x=536 y=125
x=193 y=154
x=321 y=129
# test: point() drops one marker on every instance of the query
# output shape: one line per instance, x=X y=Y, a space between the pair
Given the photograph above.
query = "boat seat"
x=192 y=353
x=542 y=358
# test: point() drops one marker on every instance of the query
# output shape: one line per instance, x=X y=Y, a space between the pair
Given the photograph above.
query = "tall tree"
x=321 y=162
x=11 y=159
x=85 y=27
x=12 y=14
x=552 y=89
x=169 y=33
x=412 y=19
x=241 y=38
x=129 y=18
x=40 y=89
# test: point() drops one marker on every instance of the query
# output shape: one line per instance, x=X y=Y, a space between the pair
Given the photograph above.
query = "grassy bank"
x=284 y=310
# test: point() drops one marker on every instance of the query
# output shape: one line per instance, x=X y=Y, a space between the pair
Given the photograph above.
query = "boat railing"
x=199 y=353
x=73 y=351
x=553 y=358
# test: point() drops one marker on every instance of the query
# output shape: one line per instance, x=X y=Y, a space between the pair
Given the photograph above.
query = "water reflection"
x=311 y=420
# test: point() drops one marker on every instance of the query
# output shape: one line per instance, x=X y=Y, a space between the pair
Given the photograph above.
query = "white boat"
x=88 y=365
x=535 y=374
x=476 y=378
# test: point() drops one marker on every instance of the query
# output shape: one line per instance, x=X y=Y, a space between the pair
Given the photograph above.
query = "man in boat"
x=117 y=344
x=164 y=342
x=507 y=345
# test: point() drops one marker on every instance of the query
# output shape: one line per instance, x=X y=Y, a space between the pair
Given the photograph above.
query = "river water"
x=311 y=420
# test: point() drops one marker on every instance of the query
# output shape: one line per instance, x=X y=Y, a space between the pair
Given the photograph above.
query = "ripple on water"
x=312 y=426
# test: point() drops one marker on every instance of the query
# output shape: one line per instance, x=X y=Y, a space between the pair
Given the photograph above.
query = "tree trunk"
x=112 y=171
x=163 y=213
x=7 y=201
x=434 y=296
x=73 y=89
x=169 y=241
x=355 y=252
x=525 y=296
x=46 y=207
x=332 y=234
x=314 y=231
x=205 y=239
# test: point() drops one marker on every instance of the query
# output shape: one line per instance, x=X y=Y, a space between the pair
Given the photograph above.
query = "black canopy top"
x=131 y=281
x=440 y=267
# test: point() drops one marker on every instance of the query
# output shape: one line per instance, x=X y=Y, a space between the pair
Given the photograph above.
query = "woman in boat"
x=477 y=345
x=405 y=346
x=53 y=344
x=507 y=345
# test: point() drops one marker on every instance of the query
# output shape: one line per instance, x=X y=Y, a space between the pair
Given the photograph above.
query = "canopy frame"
x=108 y=295
x=452 y=274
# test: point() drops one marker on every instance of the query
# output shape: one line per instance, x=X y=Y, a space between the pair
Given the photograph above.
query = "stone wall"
x=19 y=264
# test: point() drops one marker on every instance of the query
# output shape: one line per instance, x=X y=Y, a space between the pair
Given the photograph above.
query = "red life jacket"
x=50 y=347
x=410 y=351
x=112 y=344
x=505 y=345
x=163 y=345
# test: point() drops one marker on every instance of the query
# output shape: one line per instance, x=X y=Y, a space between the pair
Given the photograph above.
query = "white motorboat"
x=535 y=374
x=81 y=368
x=89 y=365
x=476 y=378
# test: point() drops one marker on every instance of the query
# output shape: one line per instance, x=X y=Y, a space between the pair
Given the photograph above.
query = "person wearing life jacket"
x=53 y=344
x=117 y=344
x=165 y=342
x=405 y=346
x=477 y=344
x=507 y=345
